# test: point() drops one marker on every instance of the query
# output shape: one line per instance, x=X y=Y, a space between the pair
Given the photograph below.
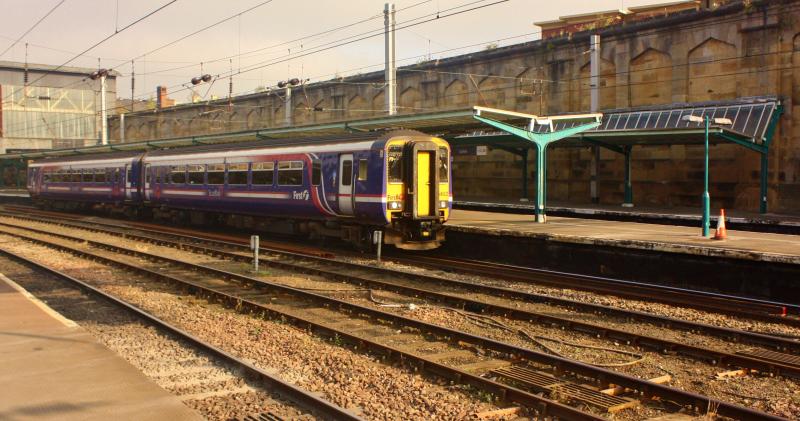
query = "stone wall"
x=735 y=51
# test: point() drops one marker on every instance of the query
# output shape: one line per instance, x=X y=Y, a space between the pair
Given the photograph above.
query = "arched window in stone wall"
x=196 y=126
x=301 y=114
x=145 y=130
x=410 y=101
x=278 y=115
x=528 y=90
x=607 y=86
x=357 y=107
x=254 y=118
x=712 y=71
x=216 y=121
x=650 y=78
x=456 y=95
x=133 y=132
x=327 y=113
x=175 y=128
x=492 y=91
x=379 y=103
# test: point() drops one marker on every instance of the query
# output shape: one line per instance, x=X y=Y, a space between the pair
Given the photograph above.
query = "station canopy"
x=658 y=125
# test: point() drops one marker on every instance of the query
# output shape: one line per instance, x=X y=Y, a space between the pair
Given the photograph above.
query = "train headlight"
x=442 y=204
x=394 y=205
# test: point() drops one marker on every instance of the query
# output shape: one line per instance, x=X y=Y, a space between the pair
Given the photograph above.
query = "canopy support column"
x=524 y=156
x=628 y=202
x=762 y=207
x=541 y=182
x=541 y=138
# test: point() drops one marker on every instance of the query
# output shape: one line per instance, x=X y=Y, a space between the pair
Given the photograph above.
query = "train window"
x=444 y=164
x=116 y=175
x=100 y=175
x=347 y=172
x=290 y=173
x=196 y=174
x=46 y=177
x=216 y=173
x=177 y=174
x=147 y=175
x=75 y=176
x=237 y=173
x=362 y=170
x=263 y=173
x=394 y=164
x=87 y=176
x=316 y=173
x=129 y=175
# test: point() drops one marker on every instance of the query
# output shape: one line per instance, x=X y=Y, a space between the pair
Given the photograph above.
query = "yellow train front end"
x=418 y=191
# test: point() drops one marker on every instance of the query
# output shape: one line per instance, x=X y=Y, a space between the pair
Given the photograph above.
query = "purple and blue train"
x=348 y=187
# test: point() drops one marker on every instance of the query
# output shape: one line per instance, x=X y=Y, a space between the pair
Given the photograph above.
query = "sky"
x=274 y=41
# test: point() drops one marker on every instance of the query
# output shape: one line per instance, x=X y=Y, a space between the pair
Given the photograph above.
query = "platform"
x=52 y=369
x=685 y=216
x=743 y=245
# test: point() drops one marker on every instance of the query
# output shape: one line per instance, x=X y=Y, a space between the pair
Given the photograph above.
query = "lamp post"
x=102 y=74
x=706 y=120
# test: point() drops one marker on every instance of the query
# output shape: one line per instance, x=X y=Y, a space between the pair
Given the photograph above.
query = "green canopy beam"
x=539 y=140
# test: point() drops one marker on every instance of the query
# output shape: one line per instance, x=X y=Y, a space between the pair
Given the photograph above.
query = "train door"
x=147 y=182
x=424 y=183
x=126 y=182
x=346 y=184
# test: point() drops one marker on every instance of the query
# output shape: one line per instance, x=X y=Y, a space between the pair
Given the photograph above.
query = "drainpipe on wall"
x=594 y=86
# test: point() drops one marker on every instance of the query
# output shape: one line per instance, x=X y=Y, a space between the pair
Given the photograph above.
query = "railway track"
x=499 y=358
x=763 y=310
x=362 y=275
x=208 y=364
x=745 y=307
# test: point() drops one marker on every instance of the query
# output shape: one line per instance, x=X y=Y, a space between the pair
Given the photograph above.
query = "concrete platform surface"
x=668 y=215
x=51 y=369
x=767 y=247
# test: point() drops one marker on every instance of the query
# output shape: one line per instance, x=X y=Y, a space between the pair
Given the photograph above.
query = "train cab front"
x=418 y=192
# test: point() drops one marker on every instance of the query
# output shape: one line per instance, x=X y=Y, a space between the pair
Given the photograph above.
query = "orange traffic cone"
x=721 y=233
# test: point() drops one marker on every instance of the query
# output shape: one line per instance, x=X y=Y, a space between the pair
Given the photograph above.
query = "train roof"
x=115 y=157
x=317 y=143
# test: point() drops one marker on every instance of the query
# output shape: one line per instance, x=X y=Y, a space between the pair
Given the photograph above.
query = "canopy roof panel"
x=750 y=119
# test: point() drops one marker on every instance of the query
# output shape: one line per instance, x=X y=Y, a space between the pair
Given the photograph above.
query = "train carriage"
x=78 y=181
x=397 y=183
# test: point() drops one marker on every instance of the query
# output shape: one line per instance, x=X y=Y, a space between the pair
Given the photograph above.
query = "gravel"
x=203 y=383
x=349 y=379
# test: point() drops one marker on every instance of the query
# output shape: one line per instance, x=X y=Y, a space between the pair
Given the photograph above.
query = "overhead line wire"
x=32 y=27
x=151 y=13
x=581 y=78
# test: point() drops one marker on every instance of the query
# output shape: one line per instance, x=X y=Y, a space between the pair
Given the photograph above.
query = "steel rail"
x=543 y=405
x=289 y=391
x=705 y=354
x=603 y=376
x=779 y=343
x=730 y=304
